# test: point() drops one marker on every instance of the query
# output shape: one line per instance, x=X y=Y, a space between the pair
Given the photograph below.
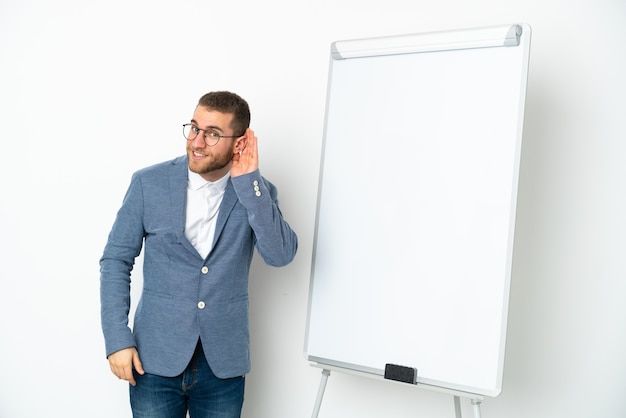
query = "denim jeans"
x=196 y=390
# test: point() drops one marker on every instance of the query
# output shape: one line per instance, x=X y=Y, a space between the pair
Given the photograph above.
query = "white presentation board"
x=416 y=205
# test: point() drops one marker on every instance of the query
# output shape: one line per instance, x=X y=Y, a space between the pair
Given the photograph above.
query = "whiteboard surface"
x=416 y=214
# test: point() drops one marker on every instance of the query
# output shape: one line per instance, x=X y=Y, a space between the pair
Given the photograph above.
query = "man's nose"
x=199 y=141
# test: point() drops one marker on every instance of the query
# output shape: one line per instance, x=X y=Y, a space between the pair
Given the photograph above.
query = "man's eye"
x=195 y=129
x=214 y=135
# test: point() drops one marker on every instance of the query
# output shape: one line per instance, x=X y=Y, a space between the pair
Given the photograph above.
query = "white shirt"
x=203 y=203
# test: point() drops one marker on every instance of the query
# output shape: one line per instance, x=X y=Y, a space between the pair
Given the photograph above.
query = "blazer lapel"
x=228 y=202
x=178 y=193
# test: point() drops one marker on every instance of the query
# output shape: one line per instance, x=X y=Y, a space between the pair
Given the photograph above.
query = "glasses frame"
x=206 y=134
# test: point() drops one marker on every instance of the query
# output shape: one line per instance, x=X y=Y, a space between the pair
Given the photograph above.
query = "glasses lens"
x=187 y=132
x=211 y=139
x=190 y=132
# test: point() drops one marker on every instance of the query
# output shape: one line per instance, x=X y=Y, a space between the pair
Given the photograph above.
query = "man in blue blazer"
x=198 y=219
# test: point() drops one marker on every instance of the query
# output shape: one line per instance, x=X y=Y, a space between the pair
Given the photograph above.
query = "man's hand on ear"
x=246 y=155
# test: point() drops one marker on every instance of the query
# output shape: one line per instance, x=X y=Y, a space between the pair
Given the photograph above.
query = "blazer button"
x=205 y=270
x=201 y=305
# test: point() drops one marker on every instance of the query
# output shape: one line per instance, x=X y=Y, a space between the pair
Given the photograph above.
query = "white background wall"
x=92 y=91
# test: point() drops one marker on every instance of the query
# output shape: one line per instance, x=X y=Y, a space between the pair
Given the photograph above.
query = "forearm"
x=123 y=246
x=115 y=305
x=276 y=242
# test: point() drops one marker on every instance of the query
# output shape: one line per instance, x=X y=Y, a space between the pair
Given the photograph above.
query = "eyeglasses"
x=211 y=138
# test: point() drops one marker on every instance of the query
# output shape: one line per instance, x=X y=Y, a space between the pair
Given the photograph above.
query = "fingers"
x=245 y=156
x=124 y=373
x=251 y=143
x=137 y=363
x=250 y=148
x=122 y=362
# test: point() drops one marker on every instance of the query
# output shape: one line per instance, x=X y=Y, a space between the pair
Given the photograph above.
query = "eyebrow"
x=217 y=128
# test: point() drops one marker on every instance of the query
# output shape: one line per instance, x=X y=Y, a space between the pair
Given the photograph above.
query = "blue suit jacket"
x=185 y=297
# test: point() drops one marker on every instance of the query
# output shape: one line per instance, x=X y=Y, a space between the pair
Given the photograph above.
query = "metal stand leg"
x=457 y=407
x=476 y=404
x=320 y=392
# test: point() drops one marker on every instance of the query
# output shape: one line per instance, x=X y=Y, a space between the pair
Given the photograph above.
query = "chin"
x=197 y=167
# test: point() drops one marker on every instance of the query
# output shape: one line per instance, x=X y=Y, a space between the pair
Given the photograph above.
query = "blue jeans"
x=196 y=390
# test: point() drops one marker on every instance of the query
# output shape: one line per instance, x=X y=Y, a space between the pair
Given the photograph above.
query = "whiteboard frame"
x=516 y=36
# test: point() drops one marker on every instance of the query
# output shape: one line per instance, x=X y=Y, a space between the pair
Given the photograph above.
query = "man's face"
x=211 y=162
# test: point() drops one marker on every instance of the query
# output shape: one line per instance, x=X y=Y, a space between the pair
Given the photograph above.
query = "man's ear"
x=240 y=144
